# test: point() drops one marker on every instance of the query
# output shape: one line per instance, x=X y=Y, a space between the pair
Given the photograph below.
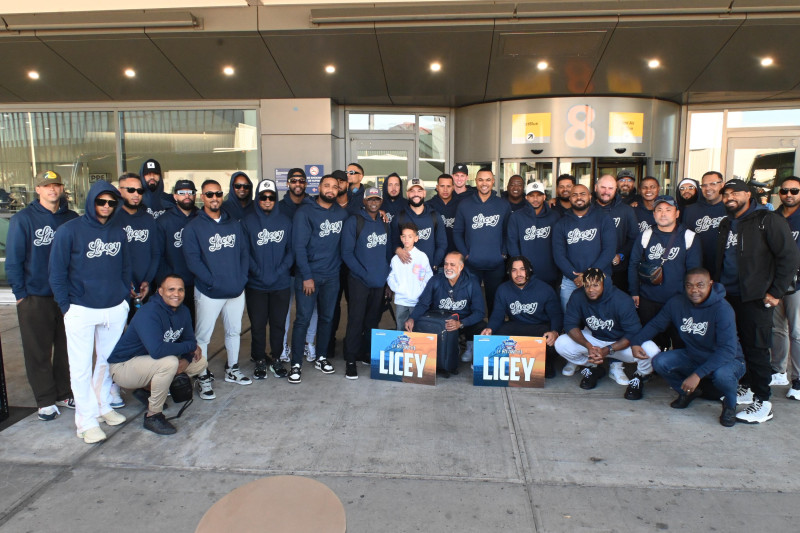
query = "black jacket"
x=768 y=255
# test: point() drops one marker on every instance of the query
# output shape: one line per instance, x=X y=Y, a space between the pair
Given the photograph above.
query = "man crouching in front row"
x=158 y=344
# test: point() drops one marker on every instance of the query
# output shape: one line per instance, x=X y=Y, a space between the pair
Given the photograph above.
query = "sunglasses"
x=238 y=186
x=102 y=202
x=185 y=193
x=793 y=191
x=297 y=180
x=212 y=194
x=687 y=188
x=132 y=190
x=352 y=172
x=266 y=197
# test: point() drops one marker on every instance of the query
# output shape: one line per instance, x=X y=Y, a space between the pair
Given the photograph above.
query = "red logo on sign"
x=314 y=171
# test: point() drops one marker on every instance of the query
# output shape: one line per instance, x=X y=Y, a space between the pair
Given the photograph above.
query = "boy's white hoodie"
x=408 y=280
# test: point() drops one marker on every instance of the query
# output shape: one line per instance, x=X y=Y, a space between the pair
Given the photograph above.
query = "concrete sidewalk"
x=408 y=457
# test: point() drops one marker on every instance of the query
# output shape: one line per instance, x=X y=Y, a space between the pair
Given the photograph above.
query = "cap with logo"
x=460 y=167
x=625 y=173
x=415 y=182
x=534 y=186
x=48 y=177
x=373 y=192
x=184 y=185
x=266 y=185
x=151 y=166
x=735 y=186
x=665 y=199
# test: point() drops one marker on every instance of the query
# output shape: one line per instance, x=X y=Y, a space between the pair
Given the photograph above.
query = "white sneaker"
x=49 y=413
x=206 y=390
x=617 y=373
x=569 y=369
x=234 y=375
x=112 y=418
x=310 y=351
x=286 y=354
x=794 y=391
x=744 y=396
x=779 y=379
x=756 y=413
x=92 y=435
x=467 y=355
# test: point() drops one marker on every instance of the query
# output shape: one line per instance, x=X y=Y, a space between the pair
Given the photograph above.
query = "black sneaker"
x=442 y=373
x=590 y=376
x=159 y=424
x=728 y=417
x=294 y=374
x=635 y=386
x=351 y=371
x=683 y=401
x=323 y=365
x=278 y=370
x=260 y=371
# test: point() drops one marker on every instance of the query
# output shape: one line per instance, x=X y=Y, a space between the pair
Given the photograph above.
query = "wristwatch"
x=610 y=350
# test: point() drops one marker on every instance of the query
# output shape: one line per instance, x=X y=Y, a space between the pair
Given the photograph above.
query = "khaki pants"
x=143 y=370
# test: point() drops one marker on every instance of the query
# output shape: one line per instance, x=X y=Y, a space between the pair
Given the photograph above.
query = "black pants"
x=265 y=307
x=620 y=278
x=754 y=325
x=363 y=314
x=647 y=310
x=344 y=274
x=44 y=346
x=521 y=329
x=491 y=278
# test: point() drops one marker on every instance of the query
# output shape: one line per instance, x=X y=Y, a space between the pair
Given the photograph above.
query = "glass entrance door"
x=530 y=170
x=381 y=157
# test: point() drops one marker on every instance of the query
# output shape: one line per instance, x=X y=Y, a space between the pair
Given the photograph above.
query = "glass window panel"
x=382 y=122
x=380 y=163
x=759 y=118
x=358 y=121
x=432 y=146
x=705 y=144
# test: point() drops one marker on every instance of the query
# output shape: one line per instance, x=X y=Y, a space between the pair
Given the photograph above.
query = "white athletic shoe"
x=569 y=369
x=756 y=413
x=310 y=351
x=286 y=354
x=779 y=379
x=617 y=373
x=744 y=396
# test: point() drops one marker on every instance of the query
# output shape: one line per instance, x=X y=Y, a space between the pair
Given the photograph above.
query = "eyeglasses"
x=132 y=190
x=185 y=193
x=687 y=188
x=297 y=180
x=711 y=184
x=352 y=172
x=238 y=186
x=266 y=198
x=626 y=179
x=792 y=191
x=102 y=202
x=212 y=194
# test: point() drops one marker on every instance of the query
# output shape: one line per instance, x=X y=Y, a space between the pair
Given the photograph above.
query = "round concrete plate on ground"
x=242 y=510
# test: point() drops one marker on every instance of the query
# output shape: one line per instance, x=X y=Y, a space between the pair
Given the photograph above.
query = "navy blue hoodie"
x=158 y=331
x=271 y=253
x=609 y=318
x=480 y=230
x=316 y=240
x=447 y=212
x=217 y=254
x=170 y=234
x=367 y=255
x=708 y=330
x=289 y=208
x=704 y=218
x=143 y=241
x=679 y=260
x=644 y=217
x=432 y=237
x=30 y=236
x=392 y=206
x=90 y=264
x=535 y=303
x=581 y=243
x=464 y=298
x=232 y=206
x=626 y=226
x=156 y=202
x=531 y=235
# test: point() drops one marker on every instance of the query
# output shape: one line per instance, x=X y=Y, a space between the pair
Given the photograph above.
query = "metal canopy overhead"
x=709 y=51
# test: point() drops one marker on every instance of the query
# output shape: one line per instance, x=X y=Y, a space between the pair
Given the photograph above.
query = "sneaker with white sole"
x=117 y=402
x=756 y=413
x=466 y=357
x=310 y=351
x=569 y=369
x=260 y=371
x=204 y=388
x=744 y=396
x=234 y=375
x=351 y=371
x=49 y=413
x=112 y=418
x=294 y=374
x=69 y=403
x=794 y=392
x=323 y=365
x=779 y=379
x=92 y=435
x=286 y=354
x=617 y=372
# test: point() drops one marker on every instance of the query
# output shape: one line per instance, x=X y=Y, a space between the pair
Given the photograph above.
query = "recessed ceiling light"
x=654 y=63
x=767 y=62
x=330 y=69
x=542 y=65
x=33 y=75
x=129 y=72
x=228 y=71
x=436 y=67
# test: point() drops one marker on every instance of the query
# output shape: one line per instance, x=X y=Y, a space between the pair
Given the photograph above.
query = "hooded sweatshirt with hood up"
x=392 y=206
x=156 y=202
x=232 y=205
x=90 y=262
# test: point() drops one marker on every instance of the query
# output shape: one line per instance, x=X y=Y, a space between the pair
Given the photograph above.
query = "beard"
x=415 y=202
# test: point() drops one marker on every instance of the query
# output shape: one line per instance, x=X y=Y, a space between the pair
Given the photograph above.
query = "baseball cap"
x=414 y=182
x=665 y=199
x=736 y=186
x=340 y=175
x=460 y=167
x=625 y=173
x=151 y=166
x=373 y=192
x=182 y=185
x=47 y=177
x=266 y=185
x=534 y=186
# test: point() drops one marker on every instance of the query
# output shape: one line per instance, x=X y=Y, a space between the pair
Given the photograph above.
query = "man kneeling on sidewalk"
x=158 y=345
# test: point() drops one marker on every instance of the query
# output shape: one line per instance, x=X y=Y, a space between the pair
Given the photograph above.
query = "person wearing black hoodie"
x=41 y=325
x=155 y=199
x=90 y=274
x=239 y=202
x=687 y=194
x=393 y=199
x=757 y=259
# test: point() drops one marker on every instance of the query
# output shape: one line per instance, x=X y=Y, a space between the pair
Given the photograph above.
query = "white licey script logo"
x=479 y=221
x=374 y=240
x=265 y=236
x=424 y=234
x=155 y=214
x=516 y=308
x=448 y=222
x=136 y=234
x=706 y=223
x=328 y=227
x=97 y=248
x=44 y=236
x=696 y=328
x=657 y=251
x=172 y=336
x=643 y=225
x=577 y=235
x=536 y=233
x=595 y=323
x=795 y=235
x=217 y=242
x=617 y=221
x=447 y=303
x=178 y=238
x=733 y=239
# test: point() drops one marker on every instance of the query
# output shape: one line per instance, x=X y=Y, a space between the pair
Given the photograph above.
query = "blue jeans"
x=567 y=288
x=324 y=297
x=677 y=365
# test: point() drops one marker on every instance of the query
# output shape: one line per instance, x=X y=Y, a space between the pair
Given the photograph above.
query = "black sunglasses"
x=297 y=180
x=212 y=194
x=132 y=190
x=265 y=197
x=238 y=186
x=102 y=202
x=793 y=191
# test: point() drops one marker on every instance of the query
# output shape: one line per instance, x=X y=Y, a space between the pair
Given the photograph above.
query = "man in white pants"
x=90 y=274
x=610 y=318
x=217 y=253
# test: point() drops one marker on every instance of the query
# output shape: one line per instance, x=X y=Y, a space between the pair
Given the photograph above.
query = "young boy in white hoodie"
x=407 y=280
